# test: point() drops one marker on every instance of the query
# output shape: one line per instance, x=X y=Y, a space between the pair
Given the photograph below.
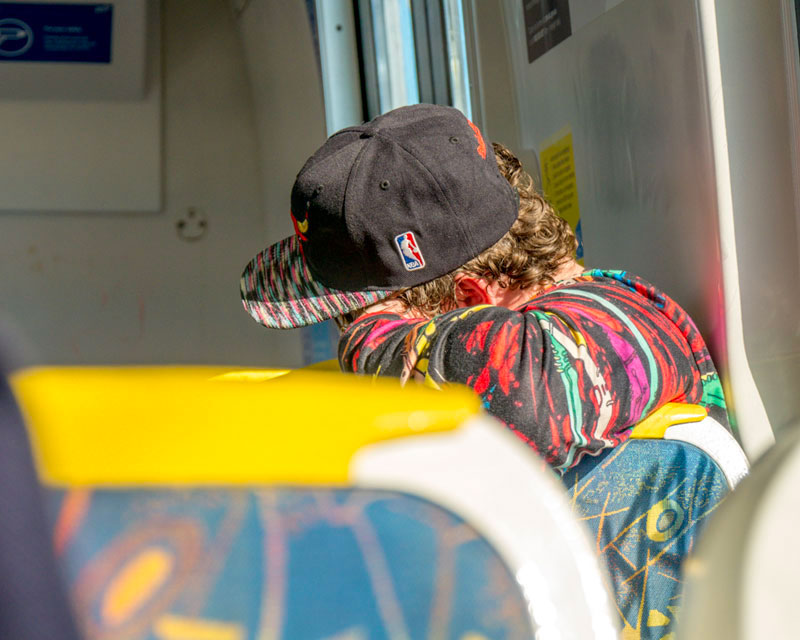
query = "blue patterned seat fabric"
x=645 y=503
x=280 y=563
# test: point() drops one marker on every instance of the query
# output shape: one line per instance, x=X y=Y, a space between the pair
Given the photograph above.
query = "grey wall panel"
x=629 y=85
x=286 y=89
x=759 y=140
x=648 y=198
x=124 y=288
x=682 y=179
x=491 y=74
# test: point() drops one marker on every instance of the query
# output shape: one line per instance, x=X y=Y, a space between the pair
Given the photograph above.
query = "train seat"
x=647 y=501
x=741 y=578
x=196 y=503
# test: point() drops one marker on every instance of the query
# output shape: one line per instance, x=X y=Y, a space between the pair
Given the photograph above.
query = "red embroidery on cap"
x=300 y=228
x=481 y=144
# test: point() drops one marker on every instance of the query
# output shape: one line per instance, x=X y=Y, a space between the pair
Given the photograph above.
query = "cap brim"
x=279 y=291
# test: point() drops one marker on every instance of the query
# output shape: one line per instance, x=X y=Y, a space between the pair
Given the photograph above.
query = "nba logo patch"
x=409 y=251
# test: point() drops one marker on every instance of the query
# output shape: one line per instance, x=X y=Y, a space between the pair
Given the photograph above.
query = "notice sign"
x=546 y=24
x=559 y=183
x=34 y=32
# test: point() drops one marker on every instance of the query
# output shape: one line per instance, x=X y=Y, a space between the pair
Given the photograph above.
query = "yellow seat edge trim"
x=656 y=424
x=190 y=426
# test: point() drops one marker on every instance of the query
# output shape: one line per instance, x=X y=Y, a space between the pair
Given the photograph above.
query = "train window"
x=395 y=56
x=413 y=51
x=457 y=56
x=797 y=15
x=334 y=25
x=791 y=17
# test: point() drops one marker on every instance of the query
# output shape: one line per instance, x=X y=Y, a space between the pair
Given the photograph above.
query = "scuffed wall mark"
x=239 y=6
x=103 y=299
x=140 y=299
x=75 y=346
x=37 y=266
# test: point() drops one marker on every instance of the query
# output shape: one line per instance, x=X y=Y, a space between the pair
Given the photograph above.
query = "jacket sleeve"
x=568 y=379
x=377 y=345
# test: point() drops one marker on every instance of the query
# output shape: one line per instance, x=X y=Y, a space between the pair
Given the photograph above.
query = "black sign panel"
x=546 y=24
x=49 y=32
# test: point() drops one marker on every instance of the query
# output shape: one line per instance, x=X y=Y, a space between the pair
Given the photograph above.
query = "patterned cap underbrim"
x=279 y=291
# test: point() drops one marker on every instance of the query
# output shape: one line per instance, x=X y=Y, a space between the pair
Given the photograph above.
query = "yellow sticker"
x=558 y=180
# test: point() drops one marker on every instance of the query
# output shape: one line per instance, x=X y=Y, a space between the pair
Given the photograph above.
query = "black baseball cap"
x=387 y=205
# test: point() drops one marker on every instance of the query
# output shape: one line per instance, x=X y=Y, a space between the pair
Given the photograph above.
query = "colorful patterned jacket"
x=569 y=372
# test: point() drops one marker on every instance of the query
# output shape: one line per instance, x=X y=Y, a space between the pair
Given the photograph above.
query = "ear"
x=471 y=291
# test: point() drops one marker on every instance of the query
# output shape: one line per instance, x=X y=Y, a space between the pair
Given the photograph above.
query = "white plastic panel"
x=684 y=174
x=759 y=127
x=741 y=581
x=629 y=87
x=483 y=474
x=716 y=441
x=339 y=64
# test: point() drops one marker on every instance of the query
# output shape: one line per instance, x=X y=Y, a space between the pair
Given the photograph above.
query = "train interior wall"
x=684 y=138
x=234 y=106
x=121 y=286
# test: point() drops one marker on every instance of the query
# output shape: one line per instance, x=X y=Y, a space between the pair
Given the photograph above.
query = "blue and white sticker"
x=56 y=32
x=409 y=251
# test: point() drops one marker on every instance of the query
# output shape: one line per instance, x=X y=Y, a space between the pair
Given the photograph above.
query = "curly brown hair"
x=529 y=254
